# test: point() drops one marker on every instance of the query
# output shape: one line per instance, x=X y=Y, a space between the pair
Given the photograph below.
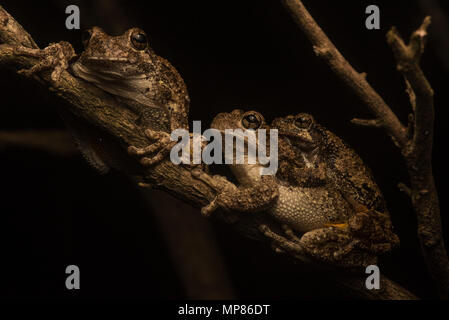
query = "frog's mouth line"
x=299 y=144
x=237 y=135
x=102 y=72
x=106 y=59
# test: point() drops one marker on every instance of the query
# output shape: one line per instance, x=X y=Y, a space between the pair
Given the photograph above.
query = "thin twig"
x=325 y=49
x=367 y=122
x=405 y=189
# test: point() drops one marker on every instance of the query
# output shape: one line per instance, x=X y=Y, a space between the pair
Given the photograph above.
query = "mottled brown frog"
x=320 y=156
x=318 y=210
x=128 y=68
x=303 y=209
x=311 y=154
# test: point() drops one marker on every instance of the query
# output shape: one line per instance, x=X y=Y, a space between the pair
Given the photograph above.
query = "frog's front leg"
x=56 y=56
x=281 y=243
x=232 y=198
x=224 y=191
x=161 y=147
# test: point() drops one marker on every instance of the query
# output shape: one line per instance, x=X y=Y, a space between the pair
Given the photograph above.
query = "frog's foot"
x=276 y=248
x=161 y=147
x=56 y=56
x=280 y=242
x=376 y=230
x=207 y=210
x=345 y=249
x=290 y=233
x=220 y=185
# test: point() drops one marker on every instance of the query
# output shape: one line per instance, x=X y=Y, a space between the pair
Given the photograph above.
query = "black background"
x=58 y=211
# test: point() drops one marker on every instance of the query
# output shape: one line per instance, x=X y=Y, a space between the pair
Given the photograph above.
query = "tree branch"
x=367 y=122
x=416 y=146
x=418 y=153
x=389 y=290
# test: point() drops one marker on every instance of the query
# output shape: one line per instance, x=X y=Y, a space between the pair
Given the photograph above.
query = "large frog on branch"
x=126 y=67
x=313 y=193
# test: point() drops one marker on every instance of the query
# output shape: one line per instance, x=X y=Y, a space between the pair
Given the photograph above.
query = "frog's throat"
x=126 y=88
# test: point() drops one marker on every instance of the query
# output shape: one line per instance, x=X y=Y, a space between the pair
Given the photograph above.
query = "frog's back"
x=350 y=175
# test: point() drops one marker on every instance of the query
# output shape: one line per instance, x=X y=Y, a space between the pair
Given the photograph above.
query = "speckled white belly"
x=305 y=209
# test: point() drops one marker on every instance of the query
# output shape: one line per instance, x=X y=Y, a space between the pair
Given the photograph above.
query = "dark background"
x=57 y=211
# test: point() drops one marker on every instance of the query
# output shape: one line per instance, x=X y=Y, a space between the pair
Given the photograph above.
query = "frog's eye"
x=303 y=121
x=139 y=40
x=85 y=37
x=252 y=121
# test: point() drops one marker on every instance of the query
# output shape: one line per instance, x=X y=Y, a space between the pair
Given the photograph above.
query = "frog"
x=297 y=202
x=129 y=69
x=310 y=153
x=317 y=211
x=309 y=145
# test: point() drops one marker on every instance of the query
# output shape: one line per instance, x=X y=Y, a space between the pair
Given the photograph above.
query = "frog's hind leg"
x=280 y=242
x=214 y=182
x=330 y=244
x=290 y=233
x=346 y=249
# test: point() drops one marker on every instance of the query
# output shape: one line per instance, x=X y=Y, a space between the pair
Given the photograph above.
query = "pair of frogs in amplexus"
x=323 y=195
x=322 y=191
